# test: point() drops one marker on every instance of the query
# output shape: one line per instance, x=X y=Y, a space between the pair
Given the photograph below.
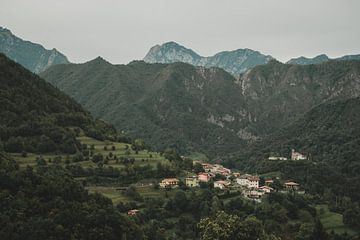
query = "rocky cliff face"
x=32 y=56
x=234 y=62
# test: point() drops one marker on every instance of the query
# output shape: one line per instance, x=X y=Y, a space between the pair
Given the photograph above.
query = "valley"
x=178 y=146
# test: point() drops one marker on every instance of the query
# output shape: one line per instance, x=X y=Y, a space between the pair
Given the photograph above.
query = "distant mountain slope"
x=36 y=117
x=320 y=59
x=234 y=62
x=277 y=93
x=32 y=56
x=201 y=109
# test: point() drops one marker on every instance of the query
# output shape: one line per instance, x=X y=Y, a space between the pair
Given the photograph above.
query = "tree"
x=222 y=226
x=138 y=145
x=97 y=158
x=215 y=205
x=198 y=168
x=180 y=201
x=250 y=229
x=225 y=226
x=352 y=217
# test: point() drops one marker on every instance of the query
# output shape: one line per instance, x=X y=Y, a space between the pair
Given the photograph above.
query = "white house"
x=248 y=181
x=297 y=156
x=273 y=158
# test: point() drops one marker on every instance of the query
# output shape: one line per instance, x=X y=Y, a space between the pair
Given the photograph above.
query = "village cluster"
x=249 y=185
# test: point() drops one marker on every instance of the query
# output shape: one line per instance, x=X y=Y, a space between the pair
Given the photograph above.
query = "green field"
x=117 y=195
x=333 y=221
x=143 y=157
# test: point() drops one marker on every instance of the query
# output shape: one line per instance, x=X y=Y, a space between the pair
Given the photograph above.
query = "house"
x=292 y=185
x=204 y=177
x=297 y=156
x=248 y=181
x=254 y=194
x=132 y=212
x=221 y=184
x=266 y=189
x=242 y=180
x=273 y=158
x=192 y=182
x=169 y=183
x=253 y=182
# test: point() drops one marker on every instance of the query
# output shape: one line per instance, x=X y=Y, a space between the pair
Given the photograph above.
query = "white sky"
x=123 y=30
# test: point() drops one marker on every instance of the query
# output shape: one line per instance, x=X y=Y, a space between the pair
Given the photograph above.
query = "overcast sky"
x=121 y=31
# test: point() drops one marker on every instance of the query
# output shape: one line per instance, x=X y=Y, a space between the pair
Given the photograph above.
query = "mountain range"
x=32 y=56
x=198 y=109
x=320 y=59
x=234 y=62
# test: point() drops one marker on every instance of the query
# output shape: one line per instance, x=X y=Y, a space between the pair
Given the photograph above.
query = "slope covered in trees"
x=174 y=105
x=36 y=117
x=47 y=203
x=196 y=109
x=329 y=134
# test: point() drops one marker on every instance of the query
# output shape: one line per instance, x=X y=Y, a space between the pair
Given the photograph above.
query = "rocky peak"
x=234 y=62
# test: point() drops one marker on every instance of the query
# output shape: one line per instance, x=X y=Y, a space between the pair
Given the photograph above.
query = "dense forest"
x=36 y=117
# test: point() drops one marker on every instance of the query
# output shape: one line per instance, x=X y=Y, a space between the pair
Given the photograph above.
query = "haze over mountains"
x=32 y=56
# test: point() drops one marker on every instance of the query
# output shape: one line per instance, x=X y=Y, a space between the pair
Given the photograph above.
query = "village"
x=250 y=186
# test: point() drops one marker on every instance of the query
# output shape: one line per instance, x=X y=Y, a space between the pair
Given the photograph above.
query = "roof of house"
x=253 y=178
x=170 y=180
x=291 y=184
x=267 y=187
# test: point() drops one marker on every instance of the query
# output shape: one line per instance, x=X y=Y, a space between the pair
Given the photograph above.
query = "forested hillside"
x=196 y=109
x=329 y=134
x=36 y=117
x=174 y=105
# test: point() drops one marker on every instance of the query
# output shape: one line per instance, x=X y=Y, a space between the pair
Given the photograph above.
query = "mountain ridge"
x=32 y=56
x=235 y=61
x=321 y=58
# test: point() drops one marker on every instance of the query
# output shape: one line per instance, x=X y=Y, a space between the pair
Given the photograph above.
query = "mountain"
x=197 y=109
x=32 y=56
x=320 y=59
x=305 y=61
x=234 y=62
x=36 y=117
x=278 y=93
x=175 y=104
